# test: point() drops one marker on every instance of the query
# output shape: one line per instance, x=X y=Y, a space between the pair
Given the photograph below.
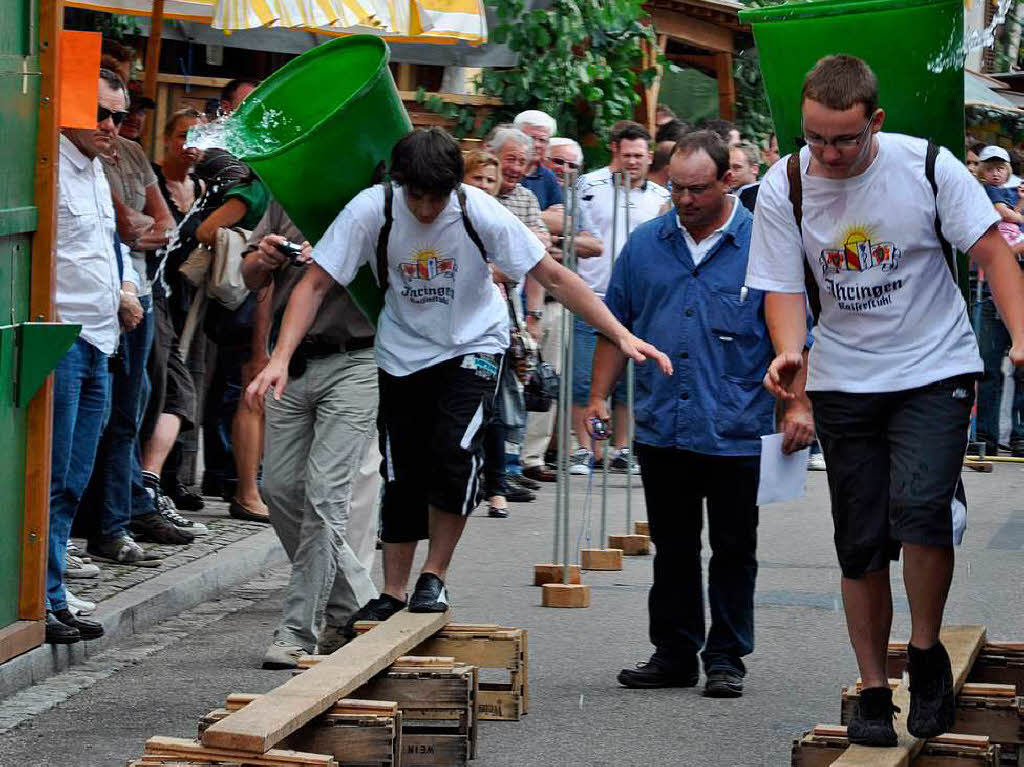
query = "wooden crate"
x=356 y=733
x=488 y=647
x=997 y=663
x=826 y=743
x=992 y=710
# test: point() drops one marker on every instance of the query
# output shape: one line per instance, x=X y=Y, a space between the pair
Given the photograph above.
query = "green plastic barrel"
x=914 y=46
x=322 y=125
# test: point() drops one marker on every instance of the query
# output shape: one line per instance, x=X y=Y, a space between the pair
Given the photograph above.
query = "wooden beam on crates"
x=194 y=751
x=283 y=710
x=963 y=643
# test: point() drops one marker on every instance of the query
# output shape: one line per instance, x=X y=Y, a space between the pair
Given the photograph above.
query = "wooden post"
x=726 y=86
x=156 y=25
x=648 y=106
x=42 y=290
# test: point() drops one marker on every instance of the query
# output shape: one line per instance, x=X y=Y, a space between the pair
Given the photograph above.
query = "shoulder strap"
x=929 y=171
x=470 y=229
x=796 y=198
x=382 y=238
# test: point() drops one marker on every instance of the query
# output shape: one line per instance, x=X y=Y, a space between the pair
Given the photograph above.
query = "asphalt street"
x=160 y=683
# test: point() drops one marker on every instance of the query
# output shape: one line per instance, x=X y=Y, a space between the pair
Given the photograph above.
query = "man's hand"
x=268 y=255
x=254 y=367
x=307 y=253
x=796 y=424
x=640 y=351
x=129 y=311
x=597 y=407
x=533 y=328
x=151 y=239
x=781 y=373
x=275 y=376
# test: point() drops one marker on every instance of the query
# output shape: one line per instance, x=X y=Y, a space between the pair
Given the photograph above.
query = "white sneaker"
x=620 y=462
x=283 y=655
x=581 y=462
x=78 y=606
x=816 y=462
x=76 y=568
x=74 y=551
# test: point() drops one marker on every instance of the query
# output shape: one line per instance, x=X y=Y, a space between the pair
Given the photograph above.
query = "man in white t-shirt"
x=440 y=340
x=892 y=370
x=639 y=202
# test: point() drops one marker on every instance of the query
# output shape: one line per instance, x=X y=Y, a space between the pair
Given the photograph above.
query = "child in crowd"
x=994 y=172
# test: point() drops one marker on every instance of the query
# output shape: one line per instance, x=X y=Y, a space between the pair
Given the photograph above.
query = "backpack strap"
x=930 y=156
x=470 y=229
x=796 y=199
x=382 y=238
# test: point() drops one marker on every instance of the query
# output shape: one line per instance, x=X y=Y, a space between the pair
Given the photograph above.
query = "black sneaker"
x=932 y=709
x=155 y=529
x=518 y=494
x=523 y=481
x=655 y=673
x=872 y=721
x=59 y=633
x=379 y=609
x=429 y=596
x=184 y=499
x=723 y=683
x=86 y=629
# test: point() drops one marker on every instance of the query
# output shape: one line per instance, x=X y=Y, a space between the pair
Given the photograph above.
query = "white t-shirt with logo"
x=597 y=197
x=892 y=317
x=441 y=302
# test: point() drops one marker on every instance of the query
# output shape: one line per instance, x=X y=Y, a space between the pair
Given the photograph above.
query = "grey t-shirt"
x=339 y=319
x=129 y=173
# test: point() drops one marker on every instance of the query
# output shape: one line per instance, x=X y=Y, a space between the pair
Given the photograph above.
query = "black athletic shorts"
x=172 y=389
x=894 y=461
x=432 y=425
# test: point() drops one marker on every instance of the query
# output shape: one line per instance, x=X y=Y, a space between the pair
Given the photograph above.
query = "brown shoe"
x=238 y=511
x=539 y=473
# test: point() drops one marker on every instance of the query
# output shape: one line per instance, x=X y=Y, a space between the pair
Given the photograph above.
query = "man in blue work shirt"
x=679 y=282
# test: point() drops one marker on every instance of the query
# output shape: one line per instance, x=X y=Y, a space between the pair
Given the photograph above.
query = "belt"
x=313 y=349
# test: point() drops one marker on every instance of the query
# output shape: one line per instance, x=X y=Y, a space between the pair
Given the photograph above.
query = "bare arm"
x=574 y=294
x=1004 y=276
x=552 y=217
x=1008 y=213
x=227 y=215
x=786 y=318
x=587 y=245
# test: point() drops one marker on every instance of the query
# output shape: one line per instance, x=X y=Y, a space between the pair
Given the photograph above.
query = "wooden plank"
x=700 y=34
x=20 y=637
x=963 y=643
x=285 y=709
x=35 y=526
x=345 y=706
x=726 y=86
x=275 y=757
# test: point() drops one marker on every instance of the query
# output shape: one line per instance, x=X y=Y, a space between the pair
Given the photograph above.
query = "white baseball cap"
x=993 y=153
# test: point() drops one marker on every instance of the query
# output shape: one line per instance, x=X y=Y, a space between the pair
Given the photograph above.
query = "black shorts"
x=172 y=389
x=894 y=462
x=432 y=425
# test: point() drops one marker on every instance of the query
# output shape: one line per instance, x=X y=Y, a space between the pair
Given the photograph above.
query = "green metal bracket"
x=41 y=347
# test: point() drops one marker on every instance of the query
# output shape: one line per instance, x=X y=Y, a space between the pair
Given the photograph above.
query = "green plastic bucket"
x=323 y=124
x=914 y=46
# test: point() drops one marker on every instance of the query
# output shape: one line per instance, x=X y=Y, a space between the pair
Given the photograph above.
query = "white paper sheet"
x=782 y=476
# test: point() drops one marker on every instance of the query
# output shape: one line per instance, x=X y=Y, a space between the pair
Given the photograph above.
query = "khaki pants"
x=539 y=426
x=321 y=482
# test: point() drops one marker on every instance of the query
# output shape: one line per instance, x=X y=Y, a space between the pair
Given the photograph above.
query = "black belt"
x=311 y=349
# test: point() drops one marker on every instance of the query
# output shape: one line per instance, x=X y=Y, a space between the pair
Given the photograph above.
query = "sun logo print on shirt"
x=859 y=252
x=427 y=263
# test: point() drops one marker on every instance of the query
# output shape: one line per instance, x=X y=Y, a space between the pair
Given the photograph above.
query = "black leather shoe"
x=723 y=683
x=872 y=720
x=932 y=708
x=87 y=629
x=518 y=494
x=58 y=633
x=429 y=596
x=184 y=499
x=378 y=609
x=524 y=481
x=655 y=674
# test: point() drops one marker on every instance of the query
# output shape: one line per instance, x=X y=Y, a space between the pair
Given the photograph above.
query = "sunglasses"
x=565 y=163
x=103 y=113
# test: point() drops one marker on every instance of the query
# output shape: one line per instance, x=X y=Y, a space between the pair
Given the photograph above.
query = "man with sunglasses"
x=89 y=293
x=862 y=224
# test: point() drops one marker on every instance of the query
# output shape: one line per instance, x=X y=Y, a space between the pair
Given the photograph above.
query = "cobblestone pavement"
x=113 y=578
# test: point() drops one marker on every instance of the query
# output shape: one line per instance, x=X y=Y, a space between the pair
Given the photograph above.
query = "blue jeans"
x=584 y=339
x=994 y=343
x=80 y=402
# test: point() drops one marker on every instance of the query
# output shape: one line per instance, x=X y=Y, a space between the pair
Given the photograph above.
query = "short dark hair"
x=841 y=82
x=428 y=160
x=115 y=83
x=711 y=143
x=662 y=154
x=716 y=125
x=627 y=130
x=227 y=93
x=975 y=146
x=673 y=130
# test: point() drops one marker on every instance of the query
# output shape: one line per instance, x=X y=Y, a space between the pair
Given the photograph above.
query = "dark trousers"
x=676 y=482
x=994 y=344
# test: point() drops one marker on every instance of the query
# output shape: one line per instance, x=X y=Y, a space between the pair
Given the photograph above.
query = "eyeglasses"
x=839 y=142
x=565 y=163
x=102 y=113
x=695 y=190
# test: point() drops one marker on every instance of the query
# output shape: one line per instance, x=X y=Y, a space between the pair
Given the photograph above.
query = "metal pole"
x=561 y=477
x=569 y=261
x=604 y=461
x=630 y=380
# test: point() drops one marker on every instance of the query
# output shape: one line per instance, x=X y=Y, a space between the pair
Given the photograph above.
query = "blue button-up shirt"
x=543 y=183
x=711 y=327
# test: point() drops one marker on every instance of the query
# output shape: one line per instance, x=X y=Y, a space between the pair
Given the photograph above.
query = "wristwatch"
x=535 y=315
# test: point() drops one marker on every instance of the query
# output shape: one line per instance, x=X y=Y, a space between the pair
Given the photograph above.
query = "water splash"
x=272 y=130
x=955 y=51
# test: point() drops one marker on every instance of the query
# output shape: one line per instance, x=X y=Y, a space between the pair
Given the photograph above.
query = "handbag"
x=540 y=381
x=509 y=406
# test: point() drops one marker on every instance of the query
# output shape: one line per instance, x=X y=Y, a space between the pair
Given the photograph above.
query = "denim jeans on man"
x=116 y=492
x=80 y=402
x=994 y=343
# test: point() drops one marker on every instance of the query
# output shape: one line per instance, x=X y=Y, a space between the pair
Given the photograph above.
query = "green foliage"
x=753 y=116
x=579 y=61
